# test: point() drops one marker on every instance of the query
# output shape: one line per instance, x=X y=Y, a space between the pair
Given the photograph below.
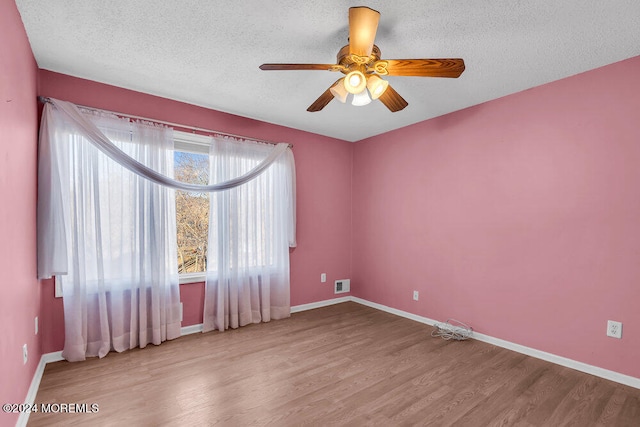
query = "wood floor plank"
x=345 y=364
x=612 y=408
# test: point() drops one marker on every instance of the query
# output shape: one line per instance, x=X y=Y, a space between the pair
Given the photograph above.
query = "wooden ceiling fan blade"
x=321 y=67
x=445 y=67
x=363 y=25
x=323 y=99
x=392 y=100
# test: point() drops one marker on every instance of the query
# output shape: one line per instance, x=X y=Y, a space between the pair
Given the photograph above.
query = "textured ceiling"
x=208 y=52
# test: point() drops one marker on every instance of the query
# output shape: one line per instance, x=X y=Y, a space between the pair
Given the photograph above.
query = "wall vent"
x=342 y=286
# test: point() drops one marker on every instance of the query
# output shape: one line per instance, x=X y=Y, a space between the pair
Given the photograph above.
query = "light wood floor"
x=345 y=364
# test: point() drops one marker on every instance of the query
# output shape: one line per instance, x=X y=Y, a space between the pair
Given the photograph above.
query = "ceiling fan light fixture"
x=363 y=67
x=339 y=91
x=355 y=82
x=376 y=86
x=360 y=99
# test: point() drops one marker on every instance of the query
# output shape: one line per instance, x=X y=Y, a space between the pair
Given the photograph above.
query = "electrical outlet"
x=25 y=354
x=416 y=295
x=36 y=322
x=614 y=329
x=323 y=277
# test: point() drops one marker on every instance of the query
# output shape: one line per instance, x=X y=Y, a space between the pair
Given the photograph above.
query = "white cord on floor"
x=452 y=329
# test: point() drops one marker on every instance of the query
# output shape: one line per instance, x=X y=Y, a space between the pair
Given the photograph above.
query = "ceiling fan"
x=360 y=61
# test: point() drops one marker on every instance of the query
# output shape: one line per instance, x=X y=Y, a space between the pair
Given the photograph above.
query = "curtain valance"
x=86 y=128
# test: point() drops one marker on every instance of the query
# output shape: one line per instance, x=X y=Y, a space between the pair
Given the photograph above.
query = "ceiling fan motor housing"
x=348 y=60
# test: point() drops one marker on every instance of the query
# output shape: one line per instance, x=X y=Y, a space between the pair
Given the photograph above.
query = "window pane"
x=192 y=210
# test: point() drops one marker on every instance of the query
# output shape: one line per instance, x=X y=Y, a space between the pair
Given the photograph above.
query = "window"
x=242 y=220
x=191 y=164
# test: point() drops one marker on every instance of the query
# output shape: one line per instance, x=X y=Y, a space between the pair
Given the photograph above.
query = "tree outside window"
x=192 y=211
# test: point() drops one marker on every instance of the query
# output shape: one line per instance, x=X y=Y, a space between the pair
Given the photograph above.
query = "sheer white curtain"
x=251 y=228
x=107 y=230
x=121 y=287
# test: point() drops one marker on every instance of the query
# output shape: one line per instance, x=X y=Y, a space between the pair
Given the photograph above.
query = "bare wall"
x=20 y=300
x=520 y=216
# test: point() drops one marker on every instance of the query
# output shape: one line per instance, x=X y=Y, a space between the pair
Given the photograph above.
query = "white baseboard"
x=538 y=354
x=192 y=329
x=35 y=383
x=327 y=302
x=562 y=361
x=395 y=311
x=56 y=356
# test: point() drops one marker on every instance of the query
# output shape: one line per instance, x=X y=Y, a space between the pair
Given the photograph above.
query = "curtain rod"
x=45 y=99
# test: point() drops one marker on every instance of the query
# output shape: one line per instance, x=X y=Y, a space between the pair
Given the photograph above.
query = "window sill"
x=186 y=278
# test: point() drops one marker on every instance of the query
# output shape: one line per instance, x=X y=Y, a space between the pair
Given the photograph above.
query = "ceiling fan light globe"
x=339 y=91
x=360 y=99
x=376 y=86
x=355 y=82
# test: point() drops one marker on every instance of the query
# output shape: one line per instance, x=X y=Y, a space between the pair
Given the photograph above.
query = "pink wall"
x=20 y=301
x=323 y=185
x=520 y=216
